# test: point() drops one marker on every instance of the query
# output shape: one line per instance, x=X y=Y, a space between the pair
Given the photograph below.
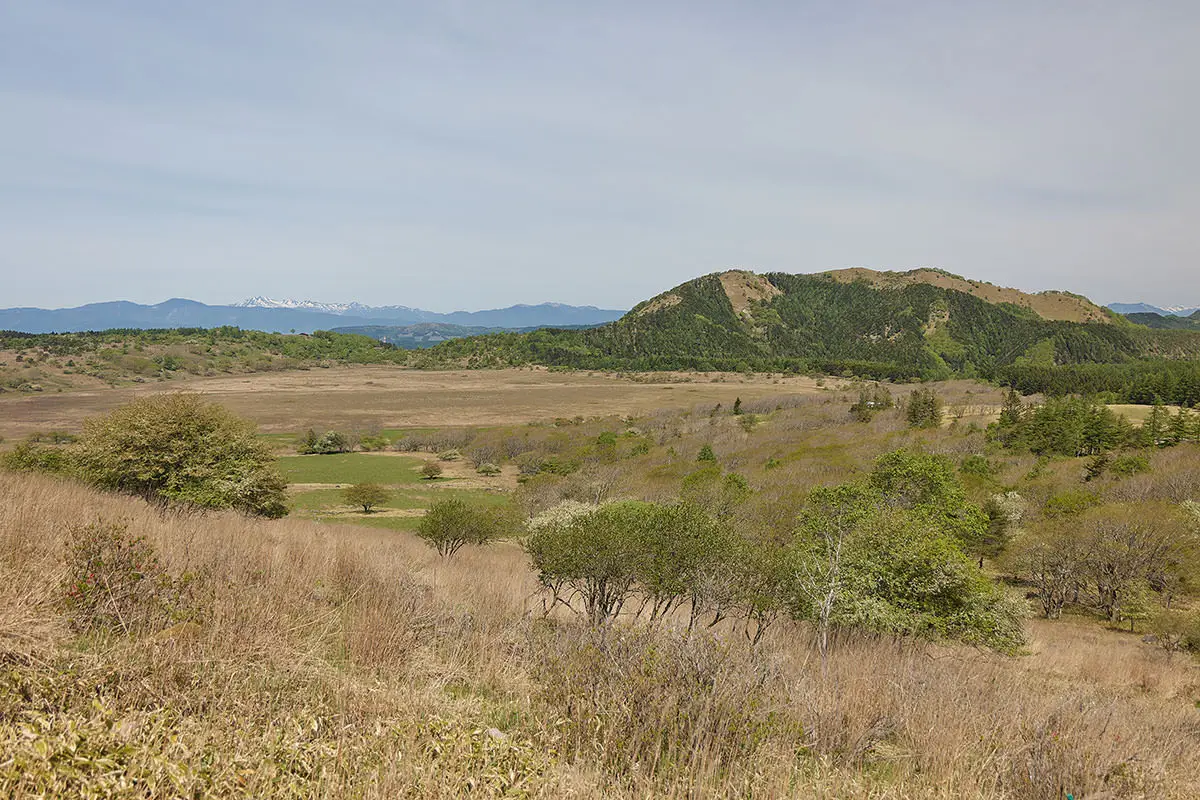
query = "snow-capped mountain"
x=1146 y=308
x=301 y=305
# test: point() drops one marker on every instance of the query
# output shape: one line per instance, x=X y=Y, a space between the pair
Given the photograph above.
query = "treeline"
x=1142 y=381
x=319 y=345
x=1078 y=426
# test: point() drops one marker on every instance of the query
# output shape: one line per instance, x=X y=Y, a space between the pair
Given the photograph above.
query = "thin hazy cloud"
x=465 y=155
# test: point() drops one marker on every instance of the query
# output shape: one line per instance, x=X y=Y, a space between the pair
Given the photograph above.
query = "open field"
x=384 y=468
x=390 y=397
x=1137 y=414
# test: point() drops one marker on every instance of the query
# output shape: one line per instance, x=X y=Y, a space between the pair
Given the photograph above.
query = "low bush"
x=115 y=584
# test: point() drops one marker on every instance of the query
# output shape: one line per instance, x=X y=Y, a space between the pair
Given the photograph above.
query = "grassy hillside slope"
x=338 y=662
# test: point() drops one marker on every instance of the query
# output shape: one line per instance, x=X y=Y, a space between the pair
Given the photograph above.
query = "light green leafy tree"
x=179 y=448
x=451 y=524
x=367 y=495
x=887 y=555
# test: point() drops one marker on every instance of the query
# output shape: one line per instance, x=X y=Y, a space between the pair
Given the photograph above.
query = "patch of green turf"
x=314 y=501
x=351 y=468
x=322 y=499
x=388 y=523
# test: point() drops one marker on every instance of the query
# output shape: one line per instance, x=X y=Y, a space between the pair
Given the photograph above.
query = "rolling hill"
x=1171 y=322
x=920 y=324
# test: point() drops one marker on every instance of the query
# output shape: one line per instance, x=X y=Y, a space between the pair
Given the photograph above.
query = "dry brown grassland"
x=340 y=661
x=351 y=396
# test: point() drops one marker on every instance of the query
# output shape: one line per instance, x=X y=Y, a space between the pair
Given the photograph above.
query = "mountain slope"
x=881 y=324
x=1050 y=305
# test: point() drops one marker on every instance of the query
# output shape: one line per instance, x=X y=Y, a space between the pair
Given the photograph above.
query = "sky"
x=463 y=155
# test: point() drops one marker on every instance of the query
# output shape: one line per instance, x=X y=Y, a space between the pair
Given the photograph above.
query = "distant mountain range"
x=283 y=316
x=1146 y=308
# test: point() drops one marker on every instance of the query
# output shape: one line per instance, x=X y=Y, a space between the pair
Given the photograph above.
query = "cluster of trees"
x=326 y=443
x=169 y=449
x=1079 y=426
x=871 y=401
x=888 y=554
x=1110 y=557
x=1140 y=381
x=321 y=345
x=923 y=409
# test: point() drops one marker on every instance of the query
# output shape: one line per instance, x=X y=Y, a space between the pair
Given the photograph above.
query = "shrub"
x=115 y=583
x=449 y=455
x=1070 y=502
x=179 y=448
x=978 y=466
x=706 y=454
x=432 y=470
x=367 y=495
x=1129 y=465
x=327 y=443
x=592 y=553
x=489 y=470
x=451 y=524
x=30 y=457
x=372 y=443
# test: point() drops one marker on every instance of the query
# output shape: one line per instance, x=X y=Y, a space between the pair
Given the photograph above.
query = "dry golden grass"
x=1050 y=305
x=337 y=661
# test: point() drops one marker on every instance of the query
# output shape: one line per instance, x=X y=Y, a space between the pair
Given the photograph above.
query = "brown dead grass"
x=744 y=288
x=351 y=398
x=660 y=303
x=1049 y=305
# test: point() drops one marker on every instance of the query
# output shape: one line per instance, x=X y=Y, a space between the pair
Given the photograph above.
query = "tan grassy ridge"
x=338 y=662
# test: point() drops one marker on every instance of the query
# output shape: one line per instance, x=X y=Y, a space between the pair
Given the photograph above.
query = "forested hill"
x=888 y=329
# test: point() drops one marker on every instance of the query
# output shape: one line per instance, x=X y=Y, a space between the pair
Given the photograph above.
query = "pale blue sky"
x=477 y=154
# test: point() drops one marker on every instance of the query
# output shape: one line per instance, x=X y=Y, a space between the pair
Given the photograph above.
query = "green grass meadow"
x=388 y=470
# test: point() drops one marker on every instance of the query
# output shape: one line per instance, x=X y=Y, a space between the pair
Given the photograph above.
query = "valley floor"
x=394 y=397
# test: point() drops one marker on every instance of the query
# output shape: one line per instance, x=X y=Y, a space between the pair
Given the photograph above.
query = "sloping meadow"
x=297 y=660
